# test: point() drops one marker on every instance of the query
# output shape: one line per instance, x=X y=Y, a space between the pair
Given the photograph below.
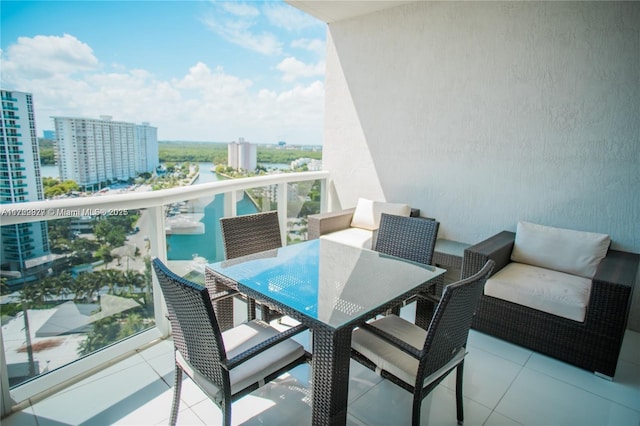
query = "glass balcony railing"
x=90 y=298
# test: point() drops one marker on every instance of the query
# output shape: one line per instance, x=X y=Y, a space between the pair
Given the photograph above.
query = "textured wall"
x=483 y=114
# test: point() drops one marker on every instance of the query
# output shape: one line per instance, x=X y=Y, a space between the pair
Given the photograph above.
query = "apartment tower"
x=242 y=155
x=147 y=147
x=94 y=152
x=25 y=247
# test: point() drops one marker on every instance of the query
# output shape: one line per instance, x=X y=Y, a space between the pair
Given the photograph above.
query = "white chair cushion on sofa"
x=546 y=290
x=564 y=250
x=367 y=213
x=357 y=237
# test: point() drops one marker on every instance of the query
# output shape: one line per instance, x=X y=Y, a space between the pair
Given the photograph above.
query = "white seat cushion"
x=240 y=339
x=367 y=213
x=388 y=357
x=564 y=250
x=357 y=237
x=546 y=290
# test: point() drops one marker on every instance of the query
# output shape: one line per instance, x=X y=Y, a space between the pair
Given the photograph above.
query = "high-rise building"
x=242 y=155
x=92 y=152
x=25 y=247
x=147 y=147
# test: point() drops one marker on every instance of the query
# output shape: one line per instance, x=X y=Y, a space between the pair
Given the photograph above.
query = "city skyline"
x=196 y=70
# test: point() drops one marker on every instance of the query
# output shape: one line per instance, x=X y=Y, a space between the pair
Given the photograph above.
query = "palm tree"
x=86 y=286
x=4 y=288
x=63 y=284
x=28 y=294
x=134 y=280
x=111 y=279
x=131 y=325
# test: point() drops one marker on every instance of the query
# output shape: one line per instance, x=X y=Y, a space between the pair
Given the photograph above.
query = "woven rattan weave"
x=593 y=344
x=198 y=341
x=411 y=238
x=249 y=234
x=446 y=337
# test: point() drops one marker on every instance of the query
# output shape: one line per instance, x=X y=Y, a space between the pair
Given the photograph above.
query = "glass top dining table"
x=331 y=288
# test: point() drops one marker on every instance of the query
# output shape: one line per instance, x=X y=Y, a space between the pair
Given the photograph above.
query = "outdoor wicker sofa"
x=358 y=225
x=592 y=344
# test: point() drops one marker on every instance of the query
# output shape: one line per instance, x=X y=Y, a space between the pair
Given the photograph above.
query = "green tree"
x=110 y=278
x=54 y=187
x=104 y=253
x=105 y=332
x=47 y=152
x=131 y=325
x=4 y=287
x=83 y=250
x=86 y=287
x=62 y=284
x=134 y=281
x=29 y=295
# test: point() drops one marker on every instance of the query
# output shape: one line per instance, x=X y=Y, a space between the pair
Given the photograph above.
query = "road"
x=125 y=256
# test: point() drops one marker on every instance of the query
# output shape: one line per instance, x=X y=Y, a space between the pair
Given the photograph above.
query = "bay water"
x=209 y=244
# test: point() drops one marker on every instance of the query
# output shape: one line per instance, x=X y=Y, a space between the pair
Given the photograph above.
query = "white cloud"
x=313 y=45
x=239 y=33
x=289 y=18
x=294 y=69
x=205 y=103
x=236 y=23
x=239 y=9
x=46 y=56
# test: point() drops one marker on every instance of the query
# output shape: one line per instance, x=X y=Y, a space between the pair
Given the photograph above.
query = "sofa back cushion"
x=368 y=212
x=564 y=250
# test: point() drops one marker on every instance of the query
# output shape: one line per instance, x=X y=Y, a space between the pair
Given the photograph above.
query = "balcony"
x=503 y=382
x=480 y=114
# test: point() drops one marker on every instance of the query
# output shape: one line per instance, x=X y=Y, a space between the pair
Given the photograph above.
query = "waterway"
x=50 y=171
x=209 y=244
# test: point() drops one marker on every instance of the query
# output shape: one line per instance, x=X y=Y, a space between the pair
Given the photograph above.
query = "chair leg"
x=226 y=412
x=251 y=309
x=177 y=388
x=266 y=314
x=417 y=405
x=459 y=407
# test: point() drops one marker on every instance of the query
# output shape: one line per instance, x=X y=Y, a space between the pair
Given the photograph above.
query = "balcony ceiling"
x=334 y=10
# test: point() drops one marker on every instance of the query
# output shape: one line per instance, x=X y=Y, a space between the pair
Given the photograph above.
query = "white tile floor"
x=503 y=385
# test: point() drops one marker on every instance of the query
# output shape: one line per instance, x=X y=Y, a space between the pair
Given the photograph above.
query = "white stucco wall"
x=483 y=114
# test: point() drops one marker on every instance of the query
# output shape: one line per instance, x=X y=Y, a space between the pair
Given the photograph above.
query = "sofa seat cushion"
x=564 y=250
x=367 y=213
x=357 y=237
x=546 y=290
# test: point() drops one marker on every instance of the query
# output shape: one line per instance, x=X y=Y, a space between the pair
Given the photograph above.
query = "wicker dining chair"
x=416 y=359
x=411 y=238
x=249 y=234
x=225 y=365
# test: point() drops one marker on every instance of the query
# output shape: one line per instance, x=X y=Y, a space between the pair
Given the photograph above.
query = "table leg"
x=426 y=308
x=223 y=308
x=424 y=312
x=331 y=358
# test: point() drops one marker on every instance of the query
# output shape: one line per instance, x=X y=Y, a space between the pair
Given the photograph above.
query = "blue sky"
x=196 y=70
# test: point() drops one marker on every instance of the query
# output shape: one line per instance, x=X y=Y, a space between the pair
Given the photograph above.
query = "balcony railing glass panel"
x=89 y=300
x=91 y=290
